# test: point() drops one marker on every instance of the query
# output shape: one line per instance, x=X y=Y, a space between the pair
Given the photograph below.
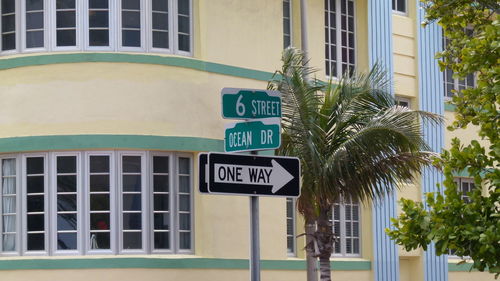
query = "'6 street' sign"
x=250 y=104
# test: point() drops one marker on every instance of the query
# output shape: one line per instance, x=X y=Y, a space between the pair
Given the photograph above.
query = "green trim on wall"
x=173 y=263
x=75 y=142
x=8 y=63
x=449 y=107
x=460 y=267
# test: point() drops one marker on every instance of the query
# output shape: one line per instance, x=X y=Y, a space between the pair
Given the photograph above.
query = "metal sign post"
x=254 y=237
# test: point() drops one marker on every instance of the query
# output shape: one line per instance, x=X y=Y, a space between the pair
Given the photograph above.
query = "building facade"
x=105 y=105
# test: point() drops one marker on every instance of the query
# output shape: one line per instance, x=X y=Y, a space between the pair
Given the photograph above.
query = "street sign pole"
x=254 y=237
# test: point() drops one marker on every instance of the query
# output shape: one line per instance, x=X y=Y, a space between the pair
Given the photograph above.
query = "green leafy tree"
x=352 y=140
x=469 y=229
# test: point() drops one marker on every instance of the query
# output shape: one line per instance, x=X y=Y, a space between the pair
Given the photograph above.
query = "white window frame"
x=177 y=209
x=46 y=21
x=111 y=25
x=19 y=201
x=144 y=202
x=176 y=29
x=53 y=206
x=171 y=194
x=342 y=237
x=17 y=30
x=293 y=252
x=115 y=29
x=290 y=3
x=116 y=197
x=24 y=231
x=112 y=204
x=400 y=100
x=398 y=12
x=338 y=34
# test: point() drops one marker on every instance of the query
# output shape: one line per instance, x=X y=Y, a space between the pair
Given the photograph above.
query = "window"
x=399 y=6
x=80 y=203
x=339 y=37
x=455 y=85
x=404 y=102
x=346 y=228
x=107 y=25
x=465 y=185
x=287 y=23
x=290 y=227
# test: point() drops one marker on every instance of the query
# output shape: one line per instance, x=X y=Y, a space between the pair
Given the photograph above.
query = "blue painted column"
x=385 y=252
x=431 y=94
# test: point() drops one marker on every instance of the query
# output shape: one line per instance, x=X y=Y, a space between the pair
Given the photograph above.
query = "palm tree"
x=353 y=142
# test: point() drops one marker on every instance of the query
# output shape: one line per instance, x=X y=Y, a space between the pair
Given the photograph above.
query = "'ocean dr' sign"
x=253 y=135
x=250 y=104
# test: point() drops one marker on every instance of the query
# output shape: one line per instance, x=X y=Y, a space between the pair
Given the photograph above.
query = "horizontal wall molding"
x=460 y=267
x=449 y=107
x=170 y=263
x=35 y=60
x=77 y=142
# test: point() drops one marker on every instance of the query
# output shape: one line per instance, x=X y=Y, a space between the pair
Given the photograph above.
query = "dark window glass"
x=162 y=240
x=34 y=165
x=66 y=38
x=131 y=164
x=183 y=7
x=183 y=24
x=8 y=6
x=131 y=4
x=99 y=240
x=160 y=164
x=9 y=42
x=160 y=21
x=131 y=19
x=36 y=222
x=66 y=222
x=160 y=183
x=99 y=164
x=99 y=221
x=66 y=241
x=132 y=221
x=99 y=183
x=66 y=183
x=66 y=202
x=160 y=39
x=131 y=202
x=66 y=19
x=98 y=4
x=132 y=240
x=131 y=182
x=99 y=202
x=65 y=4
x=162 y=221
x=131 y=38
x=36 y=241
x=34 y=39
x=34 y=20
x=160 y=5
x=66 y=164
x=35 y=203
x=185 y=240
x=98 y=18
x=161 y=202
x=35 y=184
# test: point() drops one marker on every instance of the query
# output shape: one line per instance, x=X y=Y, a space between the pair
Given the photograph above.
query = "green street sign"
x=253 y=135
x=250 y=104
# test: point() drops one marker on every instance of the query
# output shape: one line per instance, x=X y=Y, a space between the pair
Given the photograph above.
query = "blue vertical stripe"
x=386 y=259
x=431 y=93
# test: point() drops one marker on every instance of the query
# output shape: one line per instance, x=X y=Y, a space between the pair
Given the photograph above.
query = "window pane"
x=35 y=184
x=184 y=24
x=99 y=164
x=162 y=221
x=160 y=164
x=66 y=19
x=131 y=4
x=99 y=202
x=34 y=165
x=131 y=182
x=65 y=4
x=34 y=39
x=184 y=42
x=99 y=240
x=132 y=240
x=132 y=221
x=131 y=164
x=131 y=38
x=184 y=184
x=8 y=185
x=160 y=183
x=161 y=202
x=184 y=222
x=131 y=19
x=66 y=241
x=184 y=165
x=98 y=4
x=8 y=23
x=35 y=222
x=162 y=240
x=34 y=20
x=185 y=240
x=8 y=6
x=66 y=183
x=160 y=5
x=9 y=242
x=184 y=202
x=131 y=202
x=66 y=222
x=35 y=203
x=99 y=221
x=183 y=7
x=66 y=202
x=98 y=19
x=66 y=38
x=99 y=183
x=9 y=223
x=401 y=5
x=36 y=241
x=160 y=21
x=9 y=205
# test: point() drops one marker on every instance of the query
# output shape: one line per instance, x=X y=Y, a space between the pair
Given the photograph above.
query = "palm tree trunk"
x=312 y=268
x=325 y=239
